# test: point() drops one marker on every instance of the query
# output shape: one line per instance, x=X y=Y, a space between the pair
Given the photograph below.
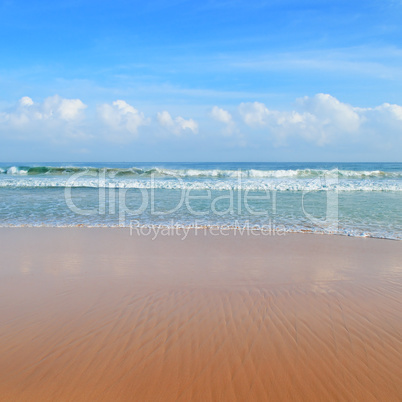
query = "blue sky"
x=213 y=80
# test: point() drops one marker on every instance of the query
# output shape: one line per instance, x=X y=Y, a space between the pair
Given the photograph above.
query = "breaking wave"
x=137 y=172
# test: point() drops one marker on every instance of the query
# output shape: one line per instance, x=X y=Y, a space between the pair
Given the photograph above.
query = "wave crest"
x=196 y=173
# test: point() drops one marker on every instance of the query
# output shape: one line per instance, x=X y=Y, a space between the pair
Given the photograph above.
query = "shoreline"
x=101 y=315
x=221 y=228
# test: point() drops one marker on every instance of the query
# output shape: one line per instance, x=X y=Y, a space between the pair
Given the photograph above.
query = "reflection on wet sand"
x=94 y=314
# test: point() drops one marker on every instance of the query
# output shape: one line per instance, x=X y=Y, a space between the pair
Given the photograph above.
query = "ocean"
x=355 y=199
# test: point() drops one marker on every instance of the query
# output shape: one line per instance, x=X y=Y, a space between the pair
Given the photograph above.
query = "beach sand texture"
x=97 y=314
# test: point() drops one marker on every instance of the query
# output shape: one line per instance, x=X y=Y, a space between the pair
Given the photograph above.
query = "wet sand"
x=97 y=314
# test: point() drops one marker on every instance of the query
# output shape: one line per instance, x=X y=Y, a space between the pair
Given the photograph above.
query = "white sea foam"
x=274 y=184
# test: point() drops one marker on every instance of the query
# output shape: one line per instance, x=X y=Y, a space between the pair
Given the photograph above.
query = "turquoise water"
x=358 y=199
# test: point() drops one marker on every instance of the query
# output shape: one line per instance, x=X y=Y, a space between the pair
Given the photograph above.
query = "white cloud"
x=26 y=101
x=178 y=125
x=54 y=118
x=165 y=119
x=221 y=115
x=331 y=114
x=395 y=110
x=254 y=114
x=385 y=111
x=52 y=108
x=70 y=109
x=319 y=119
x=224 y=117
x=122 y=120
x=384 y=121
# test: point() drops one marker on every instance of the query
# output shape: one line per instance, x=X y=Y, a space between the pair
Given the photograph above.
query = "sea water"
x=357 y=199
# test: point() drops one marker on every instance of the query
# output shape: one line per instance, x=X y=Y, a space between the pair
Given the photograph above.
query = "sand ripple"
x=233 y=334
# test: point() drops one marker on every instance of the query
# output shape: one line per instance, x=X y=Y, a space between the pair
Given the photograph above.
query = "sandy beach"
x=97 y=314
